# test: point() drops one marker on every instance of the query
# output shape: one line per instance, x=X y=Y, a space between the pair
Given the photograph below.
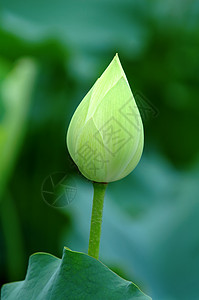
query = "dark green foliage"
x=71 y=43
x=75 y=276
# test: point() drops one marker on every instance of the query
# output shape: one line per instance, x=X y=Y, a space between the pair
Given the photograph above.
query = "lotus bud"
x=105 y=137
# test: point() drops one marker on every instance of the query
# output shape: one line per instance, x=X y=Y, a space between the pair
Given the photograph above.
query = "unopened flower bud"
x=105 y=136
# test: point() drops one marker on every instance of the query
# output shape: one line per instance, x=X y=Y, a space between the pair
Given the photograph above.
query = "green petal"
x=134 y=159
x=119 y=123
x=90 y=156
x=77 y=122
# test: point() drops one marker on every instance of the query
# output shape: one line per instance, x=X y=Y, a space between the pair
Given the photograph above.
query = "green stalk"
x=96 y=219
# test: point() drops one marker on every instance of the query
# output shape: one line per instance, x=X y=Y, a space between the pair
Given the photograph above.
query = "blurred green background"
x=51 y=53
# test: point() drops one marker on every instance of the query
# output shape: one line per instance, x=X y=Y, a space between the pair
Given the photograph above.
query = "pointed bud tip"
x=116 y=58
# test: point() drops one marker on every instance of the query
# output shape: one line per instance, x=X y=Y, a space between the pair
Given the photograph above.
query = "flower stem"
x=96 y=219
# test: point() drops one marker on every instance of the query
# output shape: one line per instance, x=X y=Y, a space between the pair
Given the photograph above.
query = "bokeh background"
x=51 y=53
